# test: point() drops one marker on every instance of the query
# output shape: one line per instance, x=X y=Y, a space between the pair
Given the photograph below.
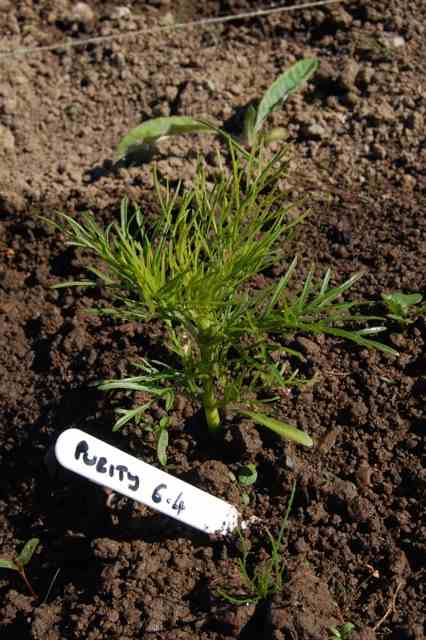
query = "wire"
x=20 y=51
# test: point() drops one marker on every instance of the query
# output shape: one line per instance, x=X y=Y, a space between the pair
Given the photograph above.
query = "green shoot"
x=282 y=429
x=193 y=272
x=402 y=307
x=162 y=440
x=156 y=129
x=267 y=578
x=247 y=475
x=21 y=562
x=247 y=478
x=141 y=139
x=286 y=84
x=342 y=632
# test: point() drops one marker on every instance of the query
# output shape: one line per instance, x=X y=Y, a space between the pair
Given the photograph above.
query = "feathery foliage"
x=193 y=272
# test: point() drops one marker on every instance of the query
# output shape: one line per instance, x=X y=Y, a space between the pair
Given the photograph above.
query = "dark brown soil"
x=356 y=540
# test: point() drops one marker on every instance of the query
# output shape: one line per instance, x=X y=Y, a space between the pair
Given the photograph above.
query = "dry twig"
x=391 y=607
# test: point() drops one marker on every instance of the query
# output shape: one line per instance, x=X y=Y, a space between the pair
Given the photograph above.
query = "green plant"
x=247 y=476
x=402 y=307
x=141 y=139
x=193 y=270
x=267 y=577
x=342 y=632
x=161 y=433
x=21 y=562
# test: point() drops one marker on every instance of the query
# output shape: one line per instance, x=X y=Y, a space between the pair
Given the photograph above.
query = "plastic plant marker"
x=110 y=467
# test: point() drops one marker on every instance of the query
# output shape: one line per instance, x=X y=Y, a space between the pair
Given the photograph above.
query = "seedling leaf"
x=249 y=122
x=283 y=86
x=247 y=475
x=28 y=551
x=162 y=444
x=402 y=299
x=130 y=414
x=8 y=564
x=283 y=429
x=153 y=130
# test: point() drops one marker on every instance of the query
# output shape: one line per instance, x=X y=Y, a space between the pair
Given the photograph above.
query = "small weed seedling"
x=143 y=138
x=246 y=478
x=267 y=578
x=192 y=271
x=21 y=562
x=342 y=632
x=404 y=307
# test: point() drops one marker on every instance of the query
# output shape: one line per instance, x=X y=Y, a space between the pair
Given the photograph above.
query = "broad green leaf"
x=8 y=564
x=283 y=429
x=162 y=444
x=152 y=130
x=247 y=475
x=402 y=299
x=27 y=552
x=283 y=86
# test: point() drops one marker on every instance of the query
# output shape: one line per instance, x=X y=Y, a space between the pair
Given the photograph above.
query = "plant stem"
x=27 y=582
x=210 y=407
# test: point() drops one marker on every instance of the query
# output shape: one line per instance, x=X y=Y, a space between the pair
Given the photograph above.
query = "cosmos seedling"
x=192 y=271
x=141 y=140
x=21 y=562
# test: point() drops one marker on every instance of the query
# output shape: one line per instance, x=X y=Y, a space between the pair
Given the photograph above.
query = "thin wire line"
x=6 y=53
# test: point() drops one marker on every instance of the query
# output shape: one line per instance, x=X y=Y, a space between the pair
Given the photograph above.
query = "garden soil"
x=106 y=567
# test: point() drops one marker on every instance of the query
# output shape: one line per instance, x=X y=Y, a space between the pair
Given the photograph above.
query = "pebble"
x=328 y=441
x=349 y=74
x=411 y=443
x=397 y=42
x=307 y=346
x=378 y=151
x=398 y=340
x=106 y=548
x=408 y=182
x=316 y=131
x=82 y=12
x=363 y=475
x=290 y=462
x=120 y=13
x=385 y=113
x=326 y=72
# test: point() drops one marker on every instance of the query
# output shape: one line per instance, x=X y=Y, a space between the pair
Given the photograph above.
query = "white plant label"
x=99 y=462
